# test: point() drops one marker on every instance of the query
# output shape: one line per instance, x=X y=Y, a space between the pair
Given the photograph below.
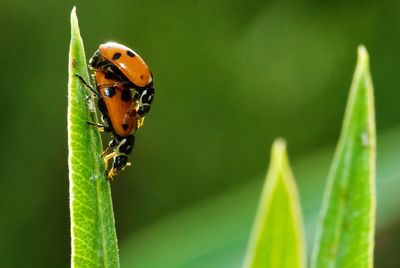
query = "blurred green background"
x=230 y=77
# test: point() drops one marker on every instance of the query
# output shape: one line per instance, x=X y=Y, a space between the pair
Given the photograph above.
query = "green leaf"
x=345 y=233
x=277 y=239
x=93 y=237
x=201 y=236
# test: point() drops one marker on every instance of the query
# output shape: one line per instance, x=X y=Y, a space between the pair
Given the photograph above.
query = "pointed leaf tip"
x=73 y=14
x=278 y=152
x=362 y=51
x=93 y=236
x=278 y=230
x=279 y=145
x=363 y=58
x=346 y=227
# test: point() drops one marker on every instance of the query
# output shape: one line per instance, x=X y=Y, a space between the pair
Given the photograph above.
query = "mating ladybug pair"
x=124 y=86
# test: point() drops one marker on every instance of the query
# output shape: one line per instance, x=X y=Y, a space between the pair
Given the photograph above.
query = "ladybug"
x=126 y=66
x=124 y=86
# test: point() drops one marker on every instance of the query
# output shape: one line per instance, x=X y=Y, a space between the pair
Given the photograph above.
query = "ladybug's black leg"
x=113 y=85
x=87 y=85
x=100 y=127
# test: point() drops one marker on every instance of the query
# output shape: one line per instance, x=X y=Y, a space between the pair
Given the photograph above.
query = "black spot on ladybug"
x=141 y=77
x=130 y=53
x=126 y=95
x=125 y=126
x=116 y=56
x=109 y=92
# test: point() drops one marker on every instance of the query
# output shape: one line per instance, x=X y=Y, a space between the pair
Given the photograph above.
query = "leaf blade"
x=277 y=239
x=93 y=236
x=345 y=232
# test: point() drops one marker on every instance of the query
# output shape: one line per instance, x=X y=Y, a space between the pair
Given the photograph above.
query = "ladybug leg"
x=140 y=121
x=107 y=158
x=113 y=143
x=100 y=127
x=139 y=108
x=132 y=111
x=105 y=152
x=113 y=85
x=87 y=85
x=111 y=174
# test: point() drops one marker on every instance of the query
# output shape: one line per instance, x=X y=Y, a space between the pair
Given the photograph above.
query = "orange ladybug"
x=124 y=86
x=118 y=101
x=123 y=64
x=128 y=62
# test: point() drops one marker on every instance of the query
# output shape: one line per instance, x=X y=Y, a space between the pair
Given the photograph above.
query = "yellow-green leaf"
x=277 y=239
x=93 y=237
x=346 y=230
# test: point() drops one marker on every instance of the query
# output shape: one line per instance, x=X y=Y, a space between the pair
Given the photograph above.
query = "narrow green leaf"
x=217 y=240
x=345 y=233
x=93 y=237
x=277 y=239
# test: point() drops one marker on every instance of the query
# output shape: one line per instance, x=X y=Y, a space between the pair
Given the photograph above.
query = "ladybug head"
x=120 y=162
x=125 y=145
